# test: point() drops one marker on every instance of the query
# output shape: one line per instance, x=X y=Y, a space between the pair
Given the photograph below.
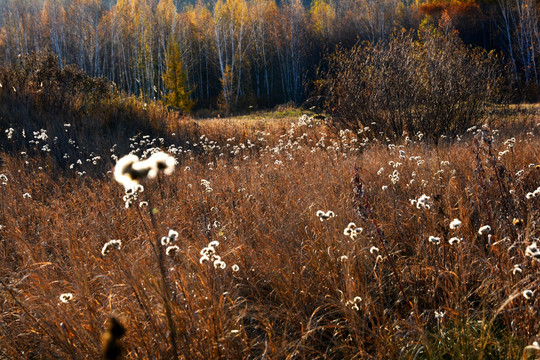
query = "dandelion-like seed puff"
x=110 y=245
x=435 y=240
x=126 y=174
x=353 y=304
x=533 y=194
x=439 y=315
x=325 y=215
x=454 y=240
x=171 y=250
x=209 y=254
x=170 y=238
x=131 y=171
x=528 y=294
x=456 y=223
x=173 y=235
x=352 y=231
x=66 y=297
x=132 y=195
x=484 y=229
x=533 y=251
x=423 y=202
x=163 y=161
x=218 y=264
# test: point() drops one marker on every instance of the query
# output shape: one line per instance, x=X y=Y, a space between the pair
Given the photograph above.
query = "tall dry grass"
x=294 y=286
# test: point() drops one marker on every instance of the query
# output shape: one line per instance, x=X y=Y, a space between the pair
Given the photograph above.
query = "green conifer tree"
x=175 y=79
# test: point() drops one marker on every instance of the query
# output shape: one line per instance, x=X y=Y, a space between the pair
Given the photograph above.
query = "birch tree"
x=323 y=16
x=290 y=42
x=264 y=13
x=53 y=18
x=519 y=26
x=232 y=43
x=200 y=43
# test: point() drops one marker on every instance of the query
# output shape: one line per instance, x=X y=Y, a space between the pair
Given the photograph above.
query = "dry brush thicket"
x=428 y=82
x=266 y=262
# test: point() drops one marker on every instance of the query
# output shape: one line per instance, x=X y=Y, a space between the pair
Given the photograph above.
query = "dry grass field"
x=266 y=263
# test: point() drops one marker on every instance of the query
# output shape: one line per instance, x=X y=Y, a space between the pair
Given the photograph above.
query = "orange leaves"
x=454 y=8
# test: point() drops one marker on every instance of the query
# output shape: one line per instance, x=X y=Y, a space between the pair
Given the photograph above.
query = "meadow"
x=271 y=239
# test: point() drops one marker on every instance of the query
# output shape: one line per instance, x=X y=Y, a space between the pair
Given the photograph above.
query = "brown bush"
x=434 y=84
x=40 y=79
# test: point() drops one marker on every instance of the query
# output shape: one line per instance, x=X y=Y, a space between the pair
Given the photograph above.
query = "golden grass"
x=296 y=292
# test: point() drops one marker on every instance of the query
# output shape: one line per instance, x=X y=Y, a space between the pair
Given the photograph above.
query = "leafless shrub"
x=433 y=84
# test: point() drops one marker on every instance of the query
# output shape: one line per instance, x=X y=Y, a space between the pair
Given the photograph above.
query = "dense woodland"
x=234 y=54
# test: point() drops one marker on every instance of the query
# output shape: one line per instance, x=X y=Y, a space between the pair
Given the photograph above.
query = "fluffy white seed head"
x=484 y=229
x=218 y=264
x=456 y=223
x=123 y=171
x=171 y=250
x=130 y=171
x=435 y=240
x=165 y=240
x=163 y=161
x=173 y=235
x=111 y=245
x=454 y=240
x=66 y=297
x=533 y=251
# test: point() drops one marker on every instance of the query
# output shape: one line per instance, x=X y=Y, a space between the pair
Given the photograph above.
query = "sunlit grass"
x=266 y=262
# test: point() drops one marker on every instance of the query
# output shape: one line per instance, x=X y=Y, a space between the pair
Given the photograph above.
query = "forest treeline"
x=235 y=54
